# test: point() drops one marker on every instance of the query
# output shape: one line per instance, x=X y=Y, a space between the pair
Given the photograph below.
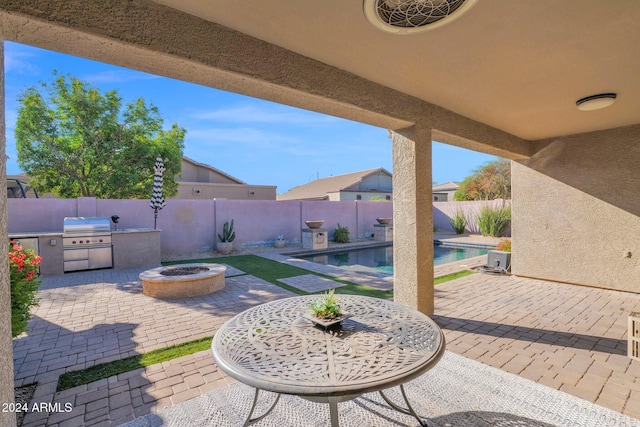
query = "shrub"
x=23 y=272
x=341 y=234
x=504 y=245
x=459 y=221
x=493 y=221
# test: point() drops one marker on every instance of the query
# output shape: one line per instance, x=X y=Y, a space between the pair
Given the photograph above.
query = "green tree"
x=488 y=182
x=75 y=141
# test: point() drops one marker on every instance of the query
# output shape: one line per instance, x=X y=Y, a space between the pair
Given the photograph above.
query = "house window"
x=358 y=197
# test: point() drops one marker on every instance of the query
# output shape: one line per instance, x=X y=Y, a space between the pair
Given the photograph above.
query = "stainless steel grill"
x=87 y=243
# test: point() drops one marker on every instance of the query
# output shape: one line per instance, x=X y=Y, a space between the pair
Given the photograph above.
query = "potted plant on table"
x=326 y=311
x=225 y=246
x=279 y=242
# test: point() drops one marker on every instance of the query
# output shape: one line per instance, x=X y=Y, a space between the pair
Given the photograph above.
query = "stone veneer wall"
x=576 y=207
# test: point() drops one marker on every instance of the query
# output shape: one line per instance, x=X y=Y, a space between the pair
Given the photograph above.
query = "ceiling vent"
x=413 y=16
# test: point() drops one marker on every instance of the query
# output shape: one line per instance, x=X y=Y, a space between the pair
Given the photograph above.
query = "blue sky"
x=256 y=141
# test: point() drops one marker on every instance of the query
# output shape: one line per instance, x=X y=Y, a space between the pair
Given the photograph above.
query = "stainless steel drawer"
x=76 y=254
x=82 y=264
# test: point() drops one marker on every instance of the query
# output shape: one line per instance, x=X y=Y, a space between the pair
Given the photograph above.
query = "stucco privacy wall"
x=6 y=351
x=192 y=225
x=442 y=211
x=576 y=207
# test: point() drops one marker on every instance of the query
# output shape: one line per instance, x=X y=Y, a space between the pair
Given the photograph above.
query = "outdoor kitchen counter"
x=49 y=248
x=135 y=247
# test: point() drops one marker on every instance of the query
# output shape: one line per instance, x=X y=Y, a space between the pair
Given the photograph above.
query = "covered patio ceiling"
x=505 y=73
x=517 y=66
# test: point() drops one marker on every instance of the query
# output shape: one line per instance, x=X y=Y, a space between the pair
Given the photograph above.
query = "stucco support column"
x=6 y=351
x=413 y=219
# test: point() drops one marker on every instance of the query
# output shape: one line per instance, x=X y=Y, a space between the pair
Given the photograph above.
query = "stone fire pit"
x=183 y=280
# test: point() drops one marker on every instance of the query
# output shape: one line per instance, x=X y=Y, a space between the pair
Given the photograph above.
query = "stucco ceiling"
x=517 y=65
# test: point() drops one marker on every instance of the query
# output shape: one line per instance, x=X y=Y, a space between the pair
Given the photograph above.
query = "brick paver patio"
x=571 y=338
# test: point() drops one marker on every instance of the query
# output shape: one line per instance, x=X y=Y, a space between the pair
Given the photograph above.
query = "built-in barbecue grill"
x=87 y=243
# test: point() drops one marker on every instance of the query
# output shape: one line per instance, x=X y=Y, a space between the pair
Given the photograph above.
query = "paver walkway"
x=570 y=338
x=98 y=316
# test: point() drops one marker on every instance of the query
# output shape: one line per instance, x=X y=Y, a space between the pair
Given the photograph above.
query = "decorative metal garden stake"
x=157 y=200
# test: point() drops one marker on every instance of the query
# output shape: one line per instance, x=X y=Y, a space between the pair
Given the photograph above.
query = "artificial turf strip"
x=452 y=276
x=109 y=369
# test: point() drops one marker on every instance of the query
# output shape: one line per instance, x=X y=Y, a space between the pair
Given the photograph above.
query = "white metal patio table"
x=274 y=347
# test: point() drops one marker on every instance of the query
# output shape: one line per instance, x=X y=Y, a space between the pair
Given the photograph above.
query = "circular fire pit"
x=184 y=280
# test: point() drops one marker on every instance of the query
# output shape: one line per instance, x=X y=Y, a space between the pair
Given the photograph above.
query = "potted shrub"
x=225 y=246
x=326 y=311
x=279 y=242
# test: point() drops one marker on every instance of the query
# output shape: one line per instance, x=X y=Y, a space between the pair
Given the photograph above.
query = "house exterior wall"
x=441 y=197
x=204 y=191
x=195 y=173
x=364 y=195
x=567 y=224
x=380 y=182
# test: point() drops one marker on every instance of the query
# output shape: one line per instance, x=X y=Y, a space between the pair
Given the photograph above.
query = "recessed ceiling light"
x=596 y=102
x=413 y=16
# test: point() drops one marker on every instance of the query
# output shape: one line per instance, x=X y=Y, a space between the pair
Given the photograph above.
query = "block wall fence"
x=192 y=225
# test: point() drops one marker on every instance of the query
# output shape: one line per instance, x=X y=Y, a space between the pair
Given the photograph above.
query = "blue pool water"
x=380 y=259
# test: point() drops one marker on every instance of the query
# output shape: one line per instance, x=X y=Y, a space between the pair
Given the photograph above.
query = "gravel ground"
x=23 y=395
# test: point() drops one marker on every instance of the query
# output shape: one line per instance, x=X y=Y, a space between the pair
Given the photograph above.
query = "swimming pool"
x=380 y=259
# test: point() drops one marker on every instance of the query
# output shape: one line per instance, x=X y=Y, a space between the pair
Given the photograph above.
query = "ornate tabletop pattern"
x=274 y=347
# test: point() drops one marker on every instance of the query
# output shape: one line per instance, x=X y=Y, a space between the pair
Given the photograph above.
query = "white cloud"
x=20 y=59
x=250 y=142
x=271 y=113
x=223 y=136
x=117 y=76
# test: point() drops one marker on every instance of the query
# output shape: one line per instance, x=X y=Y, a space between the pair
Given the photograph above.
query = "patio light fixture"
x=596 y=102
x=413 y=16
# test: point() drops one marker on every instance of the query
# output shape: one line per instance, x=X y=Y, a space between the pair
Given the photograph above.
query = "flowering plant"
x=23 y=272
x=504 y=245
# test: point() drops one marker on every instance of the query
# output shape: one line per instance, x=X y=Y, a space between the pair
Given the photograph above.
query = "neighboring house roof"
x=318 y=189
x=206 y=177
x=447 y=186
